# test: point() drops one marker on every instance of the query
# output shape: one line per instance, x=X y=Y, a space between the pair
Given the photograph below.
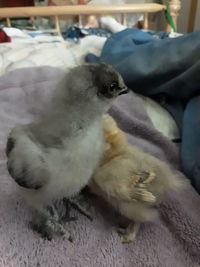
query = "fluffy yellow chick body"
x=131 y=181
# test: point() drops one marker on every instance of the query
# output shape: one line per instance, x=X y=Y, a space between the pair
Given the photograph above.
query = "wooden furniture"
x=82 y=10
x=192 y=15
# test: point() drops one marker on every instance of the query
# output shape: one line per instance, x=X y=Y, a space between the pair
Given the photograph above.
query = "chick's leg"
x=67 y=217
x=47 y=223
x=79 y=203
x=129 y=234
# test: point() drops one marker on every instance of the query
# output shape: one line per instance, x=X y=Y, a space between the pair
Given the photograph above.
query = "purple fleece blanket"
x=171 y=241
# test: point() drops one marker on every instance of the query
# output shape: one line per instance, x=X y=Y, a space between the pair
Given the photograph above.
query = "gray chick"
x=54 y=157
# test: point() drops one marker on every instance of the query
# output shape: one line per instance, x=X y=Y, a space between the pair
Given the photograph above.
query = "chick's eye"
x=113 y=86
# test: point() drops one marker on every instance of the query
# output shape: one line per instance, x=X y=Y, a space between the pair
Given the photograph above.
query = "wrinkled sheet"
x=62 y=54
x=173 y=240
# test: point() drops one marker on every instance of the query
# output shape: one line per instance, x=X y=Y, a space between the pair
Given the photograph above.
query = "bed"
x=28 y=76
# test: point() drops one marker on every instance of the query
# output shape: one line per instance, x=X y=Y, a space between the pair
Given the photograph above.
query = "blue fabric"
x=159 y=34
x=191 y=141
x=167 y=70
x=75 y=33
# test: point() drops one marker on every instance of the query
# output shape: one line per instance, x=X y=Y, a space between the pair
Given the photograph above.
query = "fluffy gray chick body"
x=60 y=170
x=55 y=156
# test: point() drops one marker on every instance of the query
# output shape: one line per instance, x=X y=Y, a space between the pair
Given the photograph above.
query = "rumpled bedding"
x=31 y=36
x=63 y=54
x=173 y=240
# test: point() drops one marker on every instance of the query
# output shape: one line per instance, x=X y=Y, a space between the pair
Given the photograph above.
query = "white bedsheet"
x=62 y=54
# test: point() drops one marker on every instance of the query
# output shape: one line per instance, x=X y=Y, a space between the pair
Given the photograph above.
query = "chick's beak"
x=124 y=90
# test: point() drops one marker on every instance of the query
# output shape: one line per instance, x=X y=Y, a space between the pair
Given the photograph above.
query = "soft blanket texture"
x=172 y=241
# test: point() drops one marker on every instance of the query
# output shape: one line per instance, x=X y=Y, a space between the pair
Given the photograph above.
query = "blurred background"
x=188 y=21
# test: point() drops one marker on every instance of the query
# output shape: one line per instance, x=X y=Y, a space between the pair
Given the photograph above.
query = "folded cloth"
x=167 y=70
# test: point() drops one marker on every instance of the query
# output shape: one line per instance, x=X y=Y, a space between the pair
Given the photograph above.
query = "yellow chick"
x=131 y=181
